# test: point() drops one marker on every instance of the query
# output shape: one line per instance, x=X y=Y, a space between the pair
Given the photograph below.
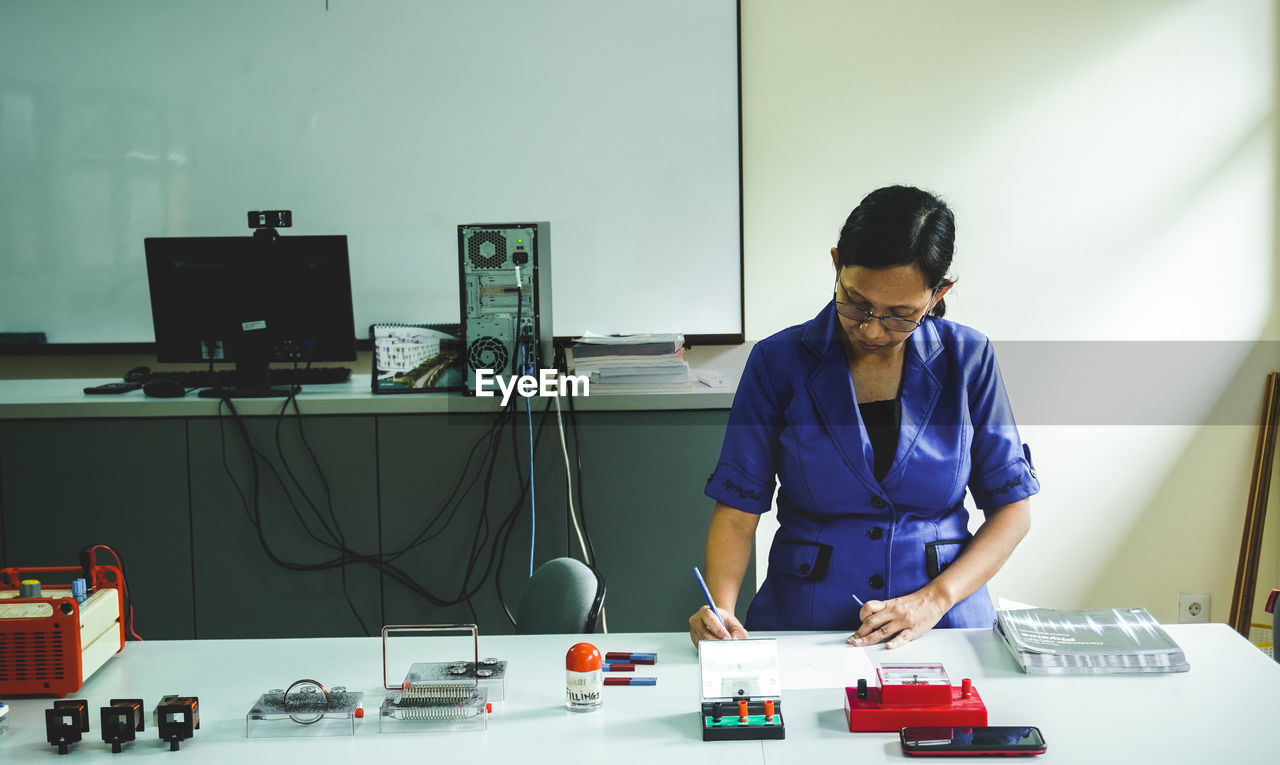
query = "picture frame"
x=417 y=358
x=1245 y=596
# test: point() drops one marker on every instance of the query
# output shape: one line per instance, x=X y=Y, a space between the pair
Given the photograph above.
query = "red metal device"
x=912 y=695
x=51 y=644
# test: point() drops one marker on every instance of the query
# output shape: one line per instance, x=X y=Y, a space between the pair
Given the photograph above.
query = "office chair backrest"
x=564 y=596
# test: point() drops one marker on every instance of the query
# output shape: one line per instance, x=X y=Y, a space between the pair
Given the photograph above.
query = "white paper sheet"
x=822 y=661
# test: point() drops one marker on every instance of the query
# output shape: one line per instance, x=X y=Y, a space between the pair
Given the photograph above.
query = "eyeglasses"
x=861 y=316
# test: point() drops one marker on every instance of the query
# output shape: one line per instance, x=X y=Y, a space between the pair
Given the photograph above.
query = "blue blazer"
x=842 y=532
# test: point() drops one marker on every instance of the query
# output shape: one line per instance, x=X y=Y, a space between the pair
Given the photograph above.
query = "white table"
x=1225 y=709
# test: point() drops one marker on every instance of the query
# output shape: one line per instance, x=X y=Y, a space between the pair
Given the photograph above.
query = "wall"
x=390 y=121
x=1111 y=166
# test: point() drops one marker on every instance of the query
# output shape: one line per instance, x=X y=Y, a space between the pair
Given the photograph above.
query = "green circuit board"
x=731 y=721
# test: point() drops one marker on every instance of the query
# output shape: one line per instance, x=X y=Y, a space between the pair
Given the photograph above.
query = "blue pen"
x=857 y=600
x=702 y=583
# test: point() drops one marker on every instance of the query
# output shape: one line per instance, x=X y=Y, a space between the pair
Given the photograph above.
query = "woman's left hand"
x=898 y=620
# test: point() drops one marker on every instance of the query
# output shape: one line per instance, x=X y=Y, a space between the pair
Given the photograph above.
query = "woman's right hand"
x=704 y=626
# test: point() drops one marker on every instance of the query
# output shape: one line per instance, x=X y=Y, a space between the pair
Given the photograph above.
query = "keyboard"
x=202 y=378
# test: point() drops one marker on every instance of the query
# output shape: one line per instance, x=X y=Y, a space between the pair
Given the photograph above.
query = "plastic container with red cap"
x=584 y=678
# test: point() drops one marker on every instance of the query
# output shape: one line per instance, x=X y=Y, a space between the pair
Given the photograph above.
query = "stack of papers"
x=648 y=363
x=1109 y=641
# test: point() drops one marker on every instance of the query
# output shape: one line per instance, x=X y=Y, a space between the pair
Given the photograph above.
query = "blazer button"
x=804 y=568
x=876 y=581
x=876 y=533
x=878 y=503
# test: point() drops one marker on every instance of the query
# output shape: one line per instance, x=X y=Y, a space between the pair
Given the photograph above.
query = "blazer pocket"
x=938 y=555
x=802 y=560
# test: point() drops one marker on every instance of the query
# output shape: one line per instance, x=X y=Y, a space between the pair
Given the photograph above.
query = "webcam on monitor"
x=271 y=219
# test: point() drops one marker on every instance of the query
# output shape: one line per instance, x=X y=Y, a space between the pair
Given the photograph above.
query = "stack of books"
x=1107 y=641
x=649 y=363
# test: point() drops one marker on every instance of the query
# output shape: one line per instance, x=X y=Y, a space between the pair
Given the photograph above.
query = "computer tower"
x=505 y=271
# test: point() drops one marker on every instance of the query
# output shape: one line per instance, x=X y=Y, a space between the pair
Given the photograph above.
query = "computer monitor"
x=251 y=300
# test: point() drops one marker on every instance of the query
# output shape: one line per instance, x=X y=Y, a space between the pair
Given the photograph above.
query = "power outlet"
x=1193 y=608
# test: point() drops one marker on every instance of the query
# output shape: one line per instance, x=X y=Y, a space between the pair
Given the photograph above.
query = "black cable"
x=486 y=468
x=559 y=360
x=506 y=523
x=481 y=535
x=253 y=512
x=517 y=352
x=516 y=464
x=581 y=504
x=226 y=466
x=485 y=534
x=254 y=454
x=482 y=527
x=425 y=536
x=493 y=549
x=125 y=596
x=509 y=522
x=324 y=483
x=482 y=530
x=334 y=533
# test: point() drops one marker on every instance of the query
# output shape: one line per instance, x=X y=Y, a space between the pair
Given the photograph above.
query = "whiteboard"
x=390 y=121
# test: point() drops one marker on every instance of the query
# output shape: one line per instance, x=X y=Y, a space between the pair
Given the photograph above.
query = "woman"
x=875 y=416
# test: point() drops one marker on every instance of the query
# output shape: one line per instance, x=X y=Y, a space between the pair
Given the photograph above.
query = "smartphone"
x=114 y=387
x=971 y=741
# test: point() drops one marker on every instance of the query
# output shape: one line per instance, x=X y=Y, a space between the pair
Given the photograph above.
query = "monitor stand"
x=253 y=372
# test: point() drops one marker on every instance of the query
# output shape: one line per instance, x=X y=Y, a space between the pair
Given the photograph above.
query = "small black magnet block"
x=120 y=722
x=64 y=723
x=177 y=719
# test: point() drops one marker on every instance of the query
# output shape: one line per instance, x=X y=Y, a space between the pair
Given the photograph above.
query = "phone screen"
x=1004 y=739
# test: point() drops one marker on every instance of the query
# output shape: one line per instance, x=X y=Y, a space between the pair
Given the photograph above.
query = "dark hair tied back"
x=899 y=226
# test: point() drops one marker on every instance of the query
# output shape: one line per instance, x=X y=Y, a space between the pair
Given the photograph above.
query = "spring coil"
x=438 y=712
x=420 y=694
